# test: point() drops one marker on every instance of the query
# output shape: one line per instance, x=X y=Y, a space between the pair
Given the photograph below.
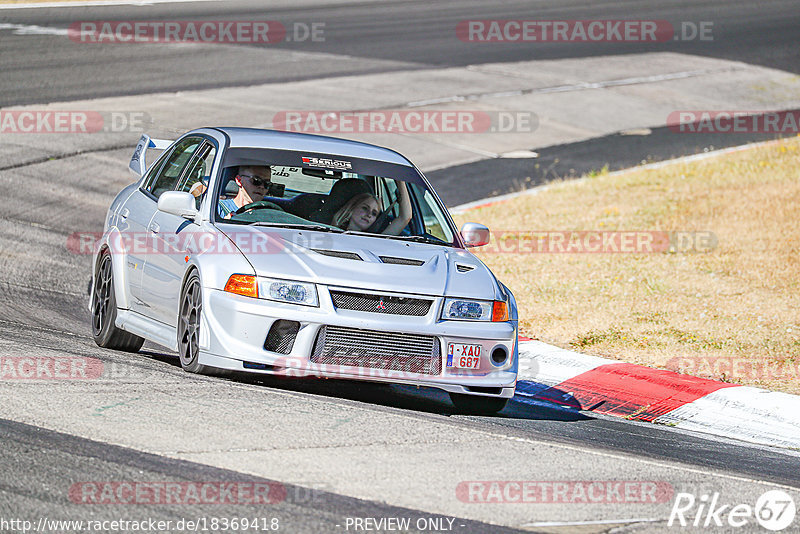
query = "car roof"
x=280 y=140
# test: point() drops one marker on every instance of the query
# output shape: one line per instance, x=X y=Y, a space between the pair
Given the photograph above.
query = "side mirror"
x=474 y=235
x=178 y=203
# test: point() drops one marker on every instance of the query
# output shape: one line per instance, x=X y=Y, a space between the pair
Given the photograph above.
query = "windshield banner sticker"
x=339 y=165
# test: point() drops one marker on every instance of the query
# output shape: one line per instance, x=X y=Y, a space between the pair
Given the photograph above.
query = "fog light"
x=281 y=336
x=499 y=355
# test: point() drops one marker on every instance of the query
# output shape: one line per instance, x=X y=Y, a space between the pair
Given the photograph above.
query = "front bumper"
x=234 y=330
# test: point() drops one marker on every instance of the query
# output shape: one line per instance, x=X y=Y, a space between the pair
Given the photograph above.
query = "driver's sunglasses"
x=257 y=181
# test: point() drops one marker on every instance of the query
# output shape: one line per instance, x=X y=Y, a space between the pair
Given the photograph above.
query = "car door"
x=131 y=220
x=174 y=239
x=165 y=179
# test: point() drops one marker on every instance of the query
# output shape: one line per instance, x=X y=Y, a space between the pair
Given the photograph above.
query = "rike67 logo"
x=774 y=510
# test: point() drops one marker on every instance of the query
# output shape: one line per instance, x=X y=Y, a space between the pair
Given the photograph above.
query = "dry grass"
x=731 y=314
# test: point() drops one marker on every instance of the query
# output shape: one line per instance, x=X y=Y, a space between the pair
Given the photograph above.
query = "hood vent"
x=401 y=261
x=338 y=254
x=464 y=268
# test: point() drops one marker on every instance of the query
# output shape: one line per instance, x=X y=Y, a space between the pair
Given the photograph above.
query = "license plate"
x=462 y=356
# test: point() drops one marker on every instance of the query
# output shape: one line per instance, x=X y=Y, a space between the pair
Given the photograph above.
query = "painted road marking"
x=95 y=3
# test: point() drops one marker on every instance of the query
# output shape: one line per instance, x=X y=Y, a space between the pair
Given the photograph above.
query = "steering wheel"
x=258 y=205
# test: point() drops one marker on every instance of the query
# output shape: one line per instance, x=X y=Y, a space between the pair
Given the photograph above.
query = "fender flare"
x=111 y=241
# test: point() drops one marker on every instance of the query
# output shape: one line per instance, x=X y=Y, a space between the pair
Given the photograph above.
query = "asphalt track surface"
x=50 y=457
x=464 y=183
x=420 y=34
x=362 y=38
x=43 y=285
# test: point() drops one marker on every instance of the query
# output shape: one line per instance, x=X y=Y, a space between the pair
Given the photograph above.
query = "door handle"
x=155 y=228
x=124 y=214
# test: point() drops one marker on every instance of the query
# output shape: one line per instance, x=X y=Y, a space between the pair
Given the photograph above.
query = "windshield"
x=323 y=199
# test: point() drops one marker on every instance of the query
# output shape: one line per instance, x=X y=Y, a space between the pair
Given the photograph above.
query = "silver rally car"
x=286 y=283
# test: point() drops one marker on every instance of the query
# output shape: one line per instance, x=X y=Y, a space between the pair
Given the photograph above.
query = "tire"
x=189 y=326
x=104 y=312
x=476 y=404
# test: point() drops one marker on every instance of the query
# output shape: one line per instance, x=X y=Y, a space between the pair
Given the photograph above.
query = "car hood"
x=372 y=263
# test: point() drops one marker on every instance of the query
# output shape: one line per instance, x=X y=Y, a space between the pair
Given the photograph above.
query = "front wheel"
x=189 y=326
x=104 y=312
x=476 y=404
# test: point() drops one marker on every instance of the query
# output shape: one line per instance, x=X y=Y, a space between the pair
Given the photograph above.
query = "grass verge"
x=731 y=313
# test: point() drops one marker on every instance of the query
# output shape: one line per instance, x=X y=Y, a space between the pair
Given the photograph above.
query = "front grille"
x=401 y=261
x=410 y=353
x=380 y=303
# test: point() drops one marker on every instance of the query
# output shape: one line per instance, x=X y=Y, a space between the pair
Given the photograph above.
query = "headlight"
x=474 y=310
x=288 y=291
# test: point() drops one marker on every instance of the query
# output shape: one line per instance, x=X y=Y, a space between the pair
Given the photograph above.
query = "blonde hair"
x=342 y=217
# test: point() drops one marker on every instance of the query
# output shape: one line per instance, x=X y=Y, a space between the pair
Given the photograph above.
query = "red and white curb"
x=553 y=375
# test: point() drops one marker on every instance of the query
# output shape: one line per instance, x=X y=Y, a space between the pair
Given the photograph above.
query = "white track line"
x=27 y=29
x=97 y=3
x=598 y=522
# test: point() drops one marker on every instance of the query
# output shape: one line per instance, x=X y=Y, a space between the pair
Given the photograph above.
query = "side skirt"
x=147 y=328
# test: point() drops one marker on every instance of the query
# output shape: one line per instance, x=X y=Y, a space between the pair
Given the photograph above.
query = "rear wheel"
x=189 y=326
x=104 y=312
x=476 y=404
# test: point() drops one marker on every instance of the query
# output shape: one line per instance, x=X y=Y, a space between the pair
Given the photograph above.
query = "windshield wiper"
x=418 y=239
x=314 y=227
x=368 y=234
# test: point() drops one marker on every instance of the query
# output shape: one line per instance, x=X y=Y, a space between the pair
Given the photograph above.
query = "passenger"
x=253 y=182
x=361 y=211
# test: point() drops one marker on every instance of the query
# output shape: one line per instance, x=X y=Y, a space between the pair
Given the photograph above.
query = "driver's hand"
x=198 y=189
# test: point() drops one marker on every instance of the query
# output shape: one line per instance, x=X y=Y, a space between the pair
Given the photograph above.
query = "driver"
x=253 y=182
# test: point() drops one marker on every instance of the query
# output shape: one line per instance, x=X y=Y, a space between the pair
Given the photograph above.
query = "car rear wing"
x=138 y=163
